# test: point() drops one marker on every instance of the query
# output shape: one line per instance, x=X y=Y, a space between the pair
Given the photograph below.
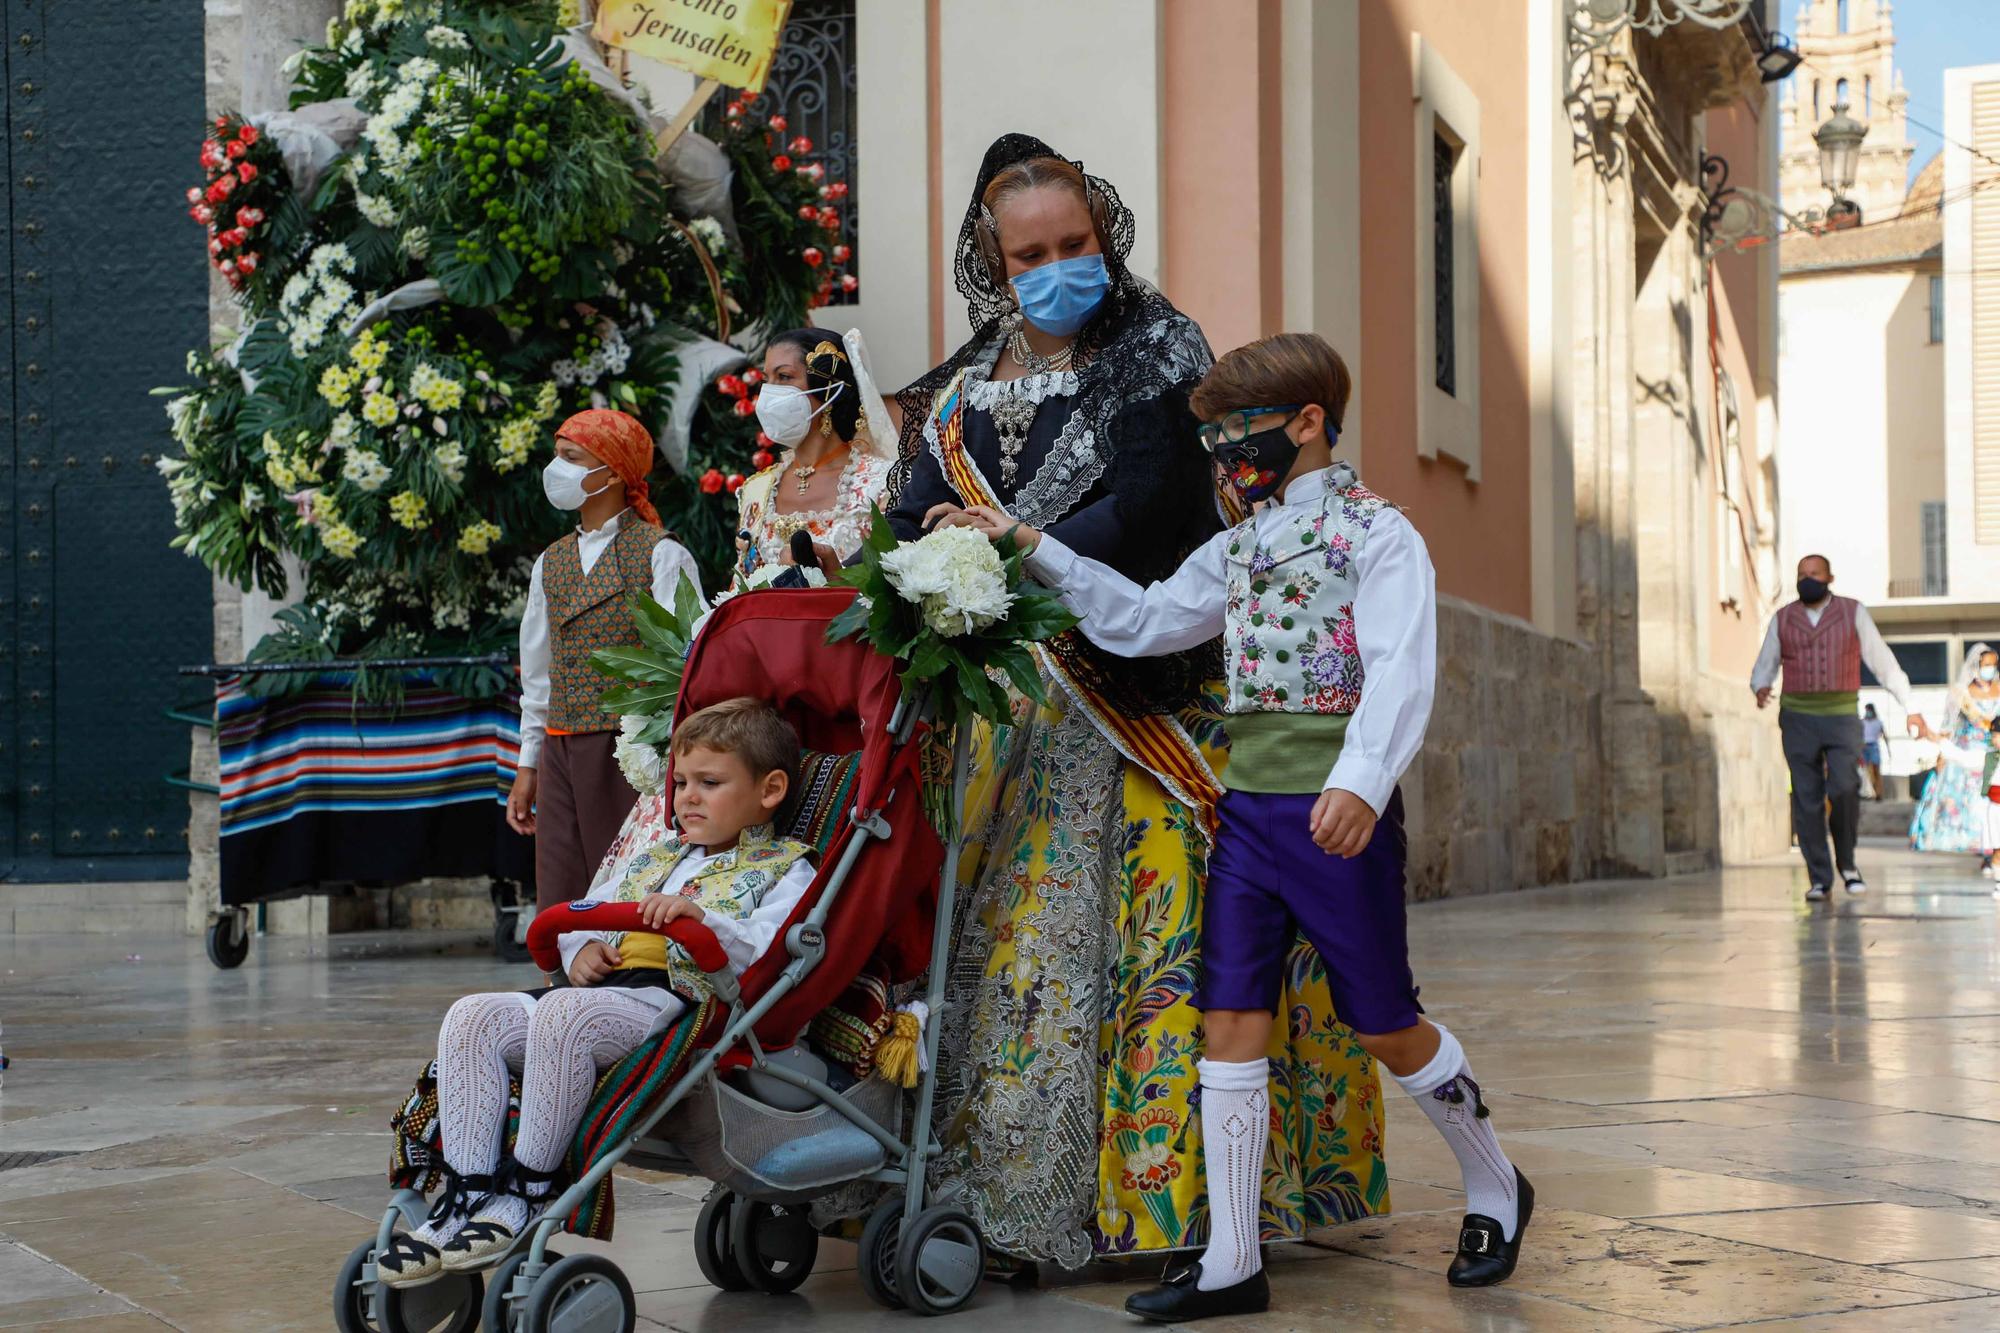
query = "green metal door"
x=107 y=291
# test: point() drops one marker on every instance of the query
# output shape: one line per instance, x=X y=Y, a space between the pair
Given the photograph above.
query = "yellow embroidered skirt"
x=1067 y=1102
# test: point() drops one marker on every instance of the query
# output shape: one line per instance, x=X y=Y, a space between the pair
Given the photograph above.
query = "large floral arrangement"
x=460 y=234
x=957 y=612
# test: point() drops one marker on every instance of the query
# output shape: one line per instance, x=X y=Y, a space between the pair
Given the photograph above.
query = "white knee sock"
x=481 y=1037
x=1235 y=1130
x=1444 y=1088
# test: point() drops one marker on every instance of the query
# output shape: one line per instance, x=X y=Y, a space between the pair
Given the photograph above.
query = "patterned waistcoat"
x=1822 y=658
x=731 y=885
x=1290 y=628
x=588 y=612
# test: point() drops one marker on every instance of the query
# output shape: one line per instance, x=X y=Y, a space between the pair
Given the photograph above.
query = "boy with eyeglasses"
x=1326 y=603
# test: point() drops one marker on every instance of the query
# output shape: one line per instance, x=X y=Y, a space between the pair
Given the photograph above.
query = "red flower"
x=849 y=283
x=814 y=170
x=762 y=459
x=837 y=190
x=753 y=377
x=778 y=123
x=248 y=134
x=247 y=170
x=800 y=145
x=222 y=122
x=811 y=254
x=842 y=253
x=235 y=148
x=829 y=218
x=215 y=249
x=224 y=184
x=211 y=157
x=227 y=266
x=781 y=163
x=807 y=213
x=249 y=217
x=744 y=407
x=248 y=263
x=712 y=482
x=735 y=482
x=765 y=442
x=202 y=213
x=734 y=110
x=732 y=386
x=194 y=194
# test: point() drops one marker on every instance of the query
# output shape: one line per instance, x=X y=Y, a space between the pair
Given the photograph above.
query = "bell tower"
x=1848 y=49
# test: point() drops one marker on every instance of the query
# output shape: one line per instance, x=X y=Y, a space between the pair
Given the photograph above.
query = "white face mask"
x=562 y=482
x=1989 y=673
x=786 y=411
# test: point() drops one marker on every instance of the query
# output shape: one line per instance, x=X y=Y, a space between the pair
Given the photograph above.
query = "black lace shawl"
x=1137 y=361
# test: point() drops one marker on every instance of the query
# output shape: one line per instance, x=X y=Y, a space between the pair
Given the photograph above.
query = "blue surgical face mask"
x=1059 y=298
x=1989 y=673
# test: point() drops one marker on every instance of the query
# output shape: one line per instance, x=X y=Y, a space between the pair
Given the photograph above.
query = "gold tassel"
x=896 y=1054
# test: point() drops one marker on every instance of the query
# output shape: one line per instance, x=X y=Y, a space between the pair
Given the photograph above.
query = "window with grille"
x=1444 y=158
x=1935 y=581
x=1937 y=307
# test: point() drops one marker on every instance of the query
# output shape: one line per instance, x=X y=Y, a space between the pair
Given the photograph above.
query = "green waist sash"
x=1821 y=703
x=1284 y=753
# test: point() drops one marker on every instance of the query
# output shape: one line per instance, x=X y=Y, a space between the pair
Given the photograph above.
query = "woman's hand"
x=946 y=515
x=1342 y=823
x=993 y=524
x=593 y=963
x=656 y=909
x=521 y=801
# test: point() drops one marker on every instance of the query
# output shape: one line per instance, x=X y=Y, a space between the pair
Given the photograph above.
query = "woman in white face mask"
x=834 y=440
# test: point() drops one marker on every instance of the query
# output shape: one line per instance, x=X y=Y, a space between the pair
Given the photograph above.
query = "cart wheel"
x=775 y=1244
x=505 y=947
x=712 y=1250
x=227 y=947
x=584 y=1293
x=448 y=1304
x=876 y=1262
x=501 y=1313
x=939 y=1260
x=352 y=1312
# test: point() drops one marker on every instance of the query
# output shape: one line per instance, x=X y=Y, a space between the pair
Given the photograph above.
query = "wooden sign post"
x=722 y=43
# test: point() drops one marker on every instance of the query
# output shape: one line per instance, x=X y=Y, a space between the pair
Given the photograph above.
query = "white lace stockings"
x=559 y=1043
x=1235 y=1131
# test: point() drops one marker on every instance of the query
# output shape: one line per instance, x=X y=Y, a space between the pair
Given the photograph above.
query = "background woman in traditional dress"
x=1951 y=817
x=1070 y=1038
x=837 y=444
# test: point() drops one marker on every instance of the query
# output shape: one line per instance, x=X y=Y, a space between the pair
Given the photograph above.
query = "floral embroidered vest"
x=1289 y=636
x=731 y=885
x=588 y=612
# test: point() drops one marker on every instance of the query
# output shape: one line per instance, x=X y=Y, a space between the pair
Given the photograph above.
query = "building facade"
x=1848 y=49
x=1499 y=227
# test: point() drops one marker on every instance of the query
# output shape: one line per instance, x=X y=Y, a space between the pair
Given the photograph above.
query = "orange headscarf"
x=623 y=445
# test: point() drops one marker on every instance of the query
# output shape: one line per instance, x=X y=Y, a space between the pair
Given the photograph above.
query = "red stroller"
x=755 y=1110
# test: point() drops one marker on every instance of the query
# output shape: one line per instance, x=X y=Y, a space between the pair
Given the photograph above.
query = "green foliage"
x=651 y=672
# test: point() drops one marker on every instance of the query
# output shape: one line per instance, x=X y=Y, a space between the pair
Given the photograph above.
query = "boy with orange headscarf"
x=569 y=793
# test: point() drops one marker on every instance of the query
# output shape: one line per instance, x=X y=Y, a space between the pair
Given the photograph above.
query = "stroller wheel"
x=584 y=1293
x=352 y=1309
x=500 y=1313
x=939 y=1260
x=775 y=1244
x=712 y=1249
x=876 y=1263
x=447 y=1304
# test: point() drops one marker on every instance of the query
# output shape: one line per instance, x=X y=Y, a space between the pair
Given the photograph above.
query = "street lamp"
x=1839 y=143
x=1778 y=58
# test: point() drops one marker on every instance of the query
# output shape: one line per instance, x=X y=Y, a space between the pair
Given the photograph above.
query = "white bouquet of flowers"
x=643 y=763
x=956 y=576
x=956 y=610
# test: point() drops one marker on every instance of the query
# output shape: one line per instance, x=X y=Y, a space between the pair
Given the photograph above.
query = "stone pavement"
x=1735 y=1109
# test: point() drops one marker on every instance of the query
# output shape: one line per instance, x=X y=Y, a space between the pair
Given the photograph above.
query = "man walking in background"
x=1821 y=641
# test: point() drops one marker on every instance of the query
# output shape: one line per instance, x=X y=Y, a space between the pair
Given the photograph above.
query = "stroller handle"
x=553 y=922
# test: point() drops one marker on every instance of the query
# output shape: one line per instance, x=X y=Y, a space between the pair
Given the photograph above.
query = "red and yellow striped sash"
x=1157 y=743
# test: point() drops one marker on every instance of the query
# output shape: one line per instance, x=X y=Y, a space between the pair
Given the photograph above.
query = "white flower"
x=709 y=232
x=767 y=574
x=377 y=208
x=417 y=242
x=447 y=39
x=643 y=765
x=360 y=82
x=364 y=469
x=956 y=576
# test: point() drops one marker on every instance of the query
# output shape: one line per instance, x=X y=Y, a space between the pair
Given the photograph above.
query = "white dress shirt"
x=1873 y=651
x=1395 y=628
x=744 y=939
x=670 y=561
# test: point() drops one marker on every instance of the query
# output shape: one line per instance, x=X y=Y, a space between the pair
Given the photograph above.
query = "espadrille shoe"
x=478 y=1243
x=408 y=1262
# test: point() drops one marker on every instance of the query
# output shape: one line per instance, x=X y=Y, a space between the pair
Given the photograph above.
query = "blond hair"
x=748 y=728
x=1284 y=368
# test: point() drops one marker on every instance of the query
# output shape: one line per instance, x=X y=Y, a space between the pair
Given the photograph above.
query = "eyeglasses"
x=1235 y=427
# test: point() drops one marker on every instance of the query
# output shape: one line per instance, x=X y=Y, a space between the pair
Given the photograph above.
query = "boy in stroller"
x=734 y=765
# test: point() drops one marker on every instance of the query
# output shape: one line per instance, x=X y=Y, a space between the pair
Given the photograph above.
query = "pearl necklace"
x=1034 y=362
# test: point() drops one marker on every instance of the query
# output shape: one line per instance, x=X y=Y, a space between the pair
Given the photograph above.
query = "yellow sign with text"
x=730 y=41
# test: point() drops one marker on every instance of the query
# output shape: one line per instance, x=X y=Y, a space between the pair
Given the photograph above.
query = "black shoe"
x=1177 y=1299
x=1484 y=1255
x=1855 y=884
x=1817 y=893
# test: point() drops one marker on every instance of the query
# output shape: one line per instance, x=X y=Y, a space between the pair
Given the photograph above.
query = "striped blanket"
x=317 y=787
x=625 y=1093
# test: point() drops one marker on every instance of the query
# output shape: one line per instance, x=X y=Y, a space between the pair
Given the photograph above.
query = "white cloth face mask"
x=786 y=411
x=562 y=482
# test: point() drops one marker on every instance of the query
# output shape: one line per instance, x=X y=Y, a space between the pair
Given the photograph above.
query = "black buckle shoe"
x=1485 y=1256
x=1177 y=1299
